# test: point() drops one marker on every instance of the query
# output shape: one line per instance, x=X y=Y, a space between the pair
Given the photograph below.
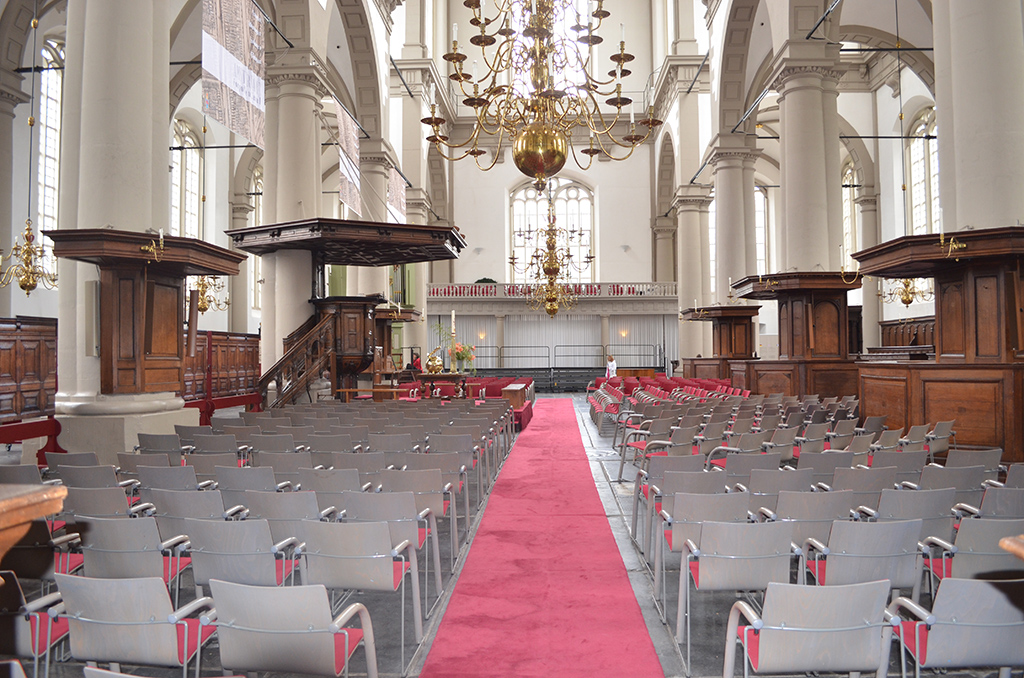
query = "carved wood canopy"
x=785 y=284
x=353 y=243
x=180 y=257
x=922 y=256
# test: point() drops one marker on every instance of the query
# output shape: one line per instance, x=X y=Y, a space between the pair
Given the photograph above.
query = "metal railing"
x=519 y=291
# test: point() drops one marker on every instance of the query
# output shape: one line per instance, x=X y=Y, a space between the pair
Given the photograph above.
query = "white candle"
x=453 y=322
x=430 y=94
x=474 y=69
x=622 y=32
x=533 y=6
x=482 y=4
x=455 y=32
x=161 y=234
x=695 y=302
x=730 y=282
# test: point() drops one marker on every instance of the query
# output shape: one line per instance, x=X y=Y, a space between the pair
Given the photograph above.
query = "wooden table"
x=21 y=504
x=380 y=394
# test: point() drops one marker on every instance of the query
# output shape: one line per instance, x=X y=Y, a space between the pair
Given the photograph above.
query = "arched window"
x=761 y=228
x=851 y=243
x=712 y=245
x=186 y=182
x=574 y=217
x=48 y=176
x=923 y=179
x=256 y=217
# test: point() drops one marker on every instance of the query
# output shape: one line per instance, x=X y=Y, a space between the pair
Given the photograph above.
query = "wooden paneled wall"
x=28 y=367
x=235 y=365
x=909 y=332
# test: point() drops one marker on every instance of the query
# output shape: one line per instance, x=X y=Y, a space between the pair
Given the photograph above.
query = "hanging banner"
x=396 y=197
x=348 y=159
x=234 y=89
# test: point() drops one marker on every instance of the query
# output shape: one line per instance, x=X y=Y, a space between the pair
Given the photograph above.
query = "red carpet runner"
x=544 y=591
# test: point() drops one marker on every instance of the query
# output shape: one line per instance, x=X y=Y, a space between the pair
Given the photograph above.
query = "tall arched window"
x=48 y=176
x=574 y=217
x=851 y=243
x=923 y=170
x=186 y=182
x=256 y=217
x=761 y=228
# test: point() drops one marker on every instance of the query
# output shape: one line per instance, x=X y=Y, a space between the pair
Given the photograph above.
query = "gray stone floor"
x=709 y=611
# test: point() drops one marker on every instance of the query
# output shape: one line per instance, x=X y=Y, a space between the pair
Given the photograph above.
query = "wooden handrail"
x=301 y=364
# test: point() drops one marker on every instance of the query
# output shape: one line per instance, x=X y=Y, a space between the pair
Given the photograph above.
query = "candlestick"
x=453 y=323
x=695 y=303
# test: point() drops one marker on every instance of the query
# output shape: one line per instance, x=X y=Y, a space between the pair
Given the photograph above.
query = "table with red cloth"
x=524 y=414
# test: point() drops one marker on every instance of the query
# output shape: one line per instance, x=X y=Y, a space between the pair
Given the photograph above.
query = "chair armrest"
x=739 y=609
x=190 y=609
x=812 y=543
x=239 y=511
x=941 y=543
x=738 y=487
x=168 y=544
x=284 y=544
x=404 y=545
x=910 y=606
x=364 y=621
x=864 y=511
x=908 y=485
x=65 y=540
x=692 y=548
x=961 y=509
x=425 y=513
x=992 y=483
x=366 y=487
x=42 y=603
x=824 y=487
x=286 y=485
x=130 y=483
x=417 y=448
x=664 y=515
x=207 y=485
x=328 y=512
x=767 y=513
x=144 y=508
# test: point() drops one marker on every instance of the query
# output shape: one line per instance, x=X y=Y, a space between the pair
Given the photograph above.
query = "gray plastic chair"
x=95 y=476
x=933 y=507
x=170 y=478
x=998 y=502
x=989 y=459
x=643 y=504
x=300 y=637
x=803 y=629
x=406 y=522
x=285 y=465
x=331 y=442
x=824 y=464
x=782 y=440
x=274 y=442
x=887 y=440
x=732 y=556
x=55 y=459
x=159 y=442
x=120 y=549
x=131 y=621
x=810 y=514
x=683 y=518
x=968 y=481
x=174 y=506
x=908 y=464
x=873 y=425
x=369 y=465
x=282 y=509
x=102 y=502
x=330 y=480
x=129 y=462
x=858 y=551
x=973 y=623
x=915 y=438
x=975 y=554
x=242 y=551
x=22 y=474
x=361 y=557
x=187 y=434
x=765 y=485
x=468 y=454
x=233 y=481
x=431 y=492
x=865 y=483
x=205 y=465
x=937 y=440
x=672 y=482
x=1015 y=476
x=27 y=628
x=453 y=473
x=738 y=467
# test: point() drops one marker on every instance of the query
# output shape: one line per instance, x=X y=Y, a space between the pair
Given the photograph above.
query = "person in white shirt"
x=610 y=370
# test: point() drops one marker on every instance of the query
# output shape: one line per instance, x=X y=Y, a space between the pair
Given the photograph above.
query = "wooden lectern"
x=814 y=346
x=732 y=332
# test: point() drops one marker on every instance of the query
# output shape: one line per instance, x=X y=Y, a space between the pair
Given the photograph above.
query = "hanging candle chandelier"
x=539 y=88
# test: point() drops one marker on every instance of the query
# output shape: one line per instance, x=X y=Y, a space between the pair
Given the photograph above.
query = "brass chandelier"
x=540 y=90
x=907 y=291
x=550 y=267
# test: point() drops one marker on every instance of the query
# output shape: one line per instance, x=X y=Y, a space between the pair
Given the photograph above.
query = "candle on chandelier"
x=695 y=303
x=453 y=323
x=622 y=32
x=455 y=32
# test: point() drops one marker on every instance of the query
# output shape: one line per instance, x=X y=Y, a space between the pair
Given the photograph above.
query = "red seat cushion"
x=174 y=566
x=194 y=641
x=912 y=631
x=350 y=636
x=66 y=563
x=401 y=567
x=695 y=573
x=284 y=568
x=44 y=635
x=940 y=567
x=422 y=533
x=817 y=568
x=751 y=643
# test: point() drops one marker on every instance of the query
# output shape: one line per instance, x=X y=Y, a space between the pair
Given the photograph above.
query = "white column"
x=749 y=218
x=690 y=204
x=374 y=173
x=296 y=161
x=664 y=228
x=606 y=336
x=499 y=338
x=805 y=167
x=416 y=333
x=238 y=320
x=987 y=84
x=732 y=195
x=833 y=169
x=945 y=113
x=871 y=306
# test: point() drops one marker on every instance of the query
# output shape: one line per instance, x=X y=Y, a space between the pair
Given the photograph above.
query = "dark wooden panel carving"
x=885 y=391
x=909 y=332
x=975 y=404
x=831 y=379
x=827 y=331
x=950 y=320
x=235 y=363
x=28 y=367
x=775 y=378
x=988 y=334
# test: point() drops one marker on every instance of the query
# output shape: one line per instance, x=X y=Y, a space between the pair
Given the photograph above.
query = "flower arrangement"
x=462 y=353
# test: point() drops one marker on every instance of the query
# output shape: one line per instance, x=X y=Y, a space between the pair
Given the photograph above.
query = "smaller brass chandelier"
x=27 y=259
x=551 y=267
x=907 y=291
x=26 y=265
x=208 y=288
